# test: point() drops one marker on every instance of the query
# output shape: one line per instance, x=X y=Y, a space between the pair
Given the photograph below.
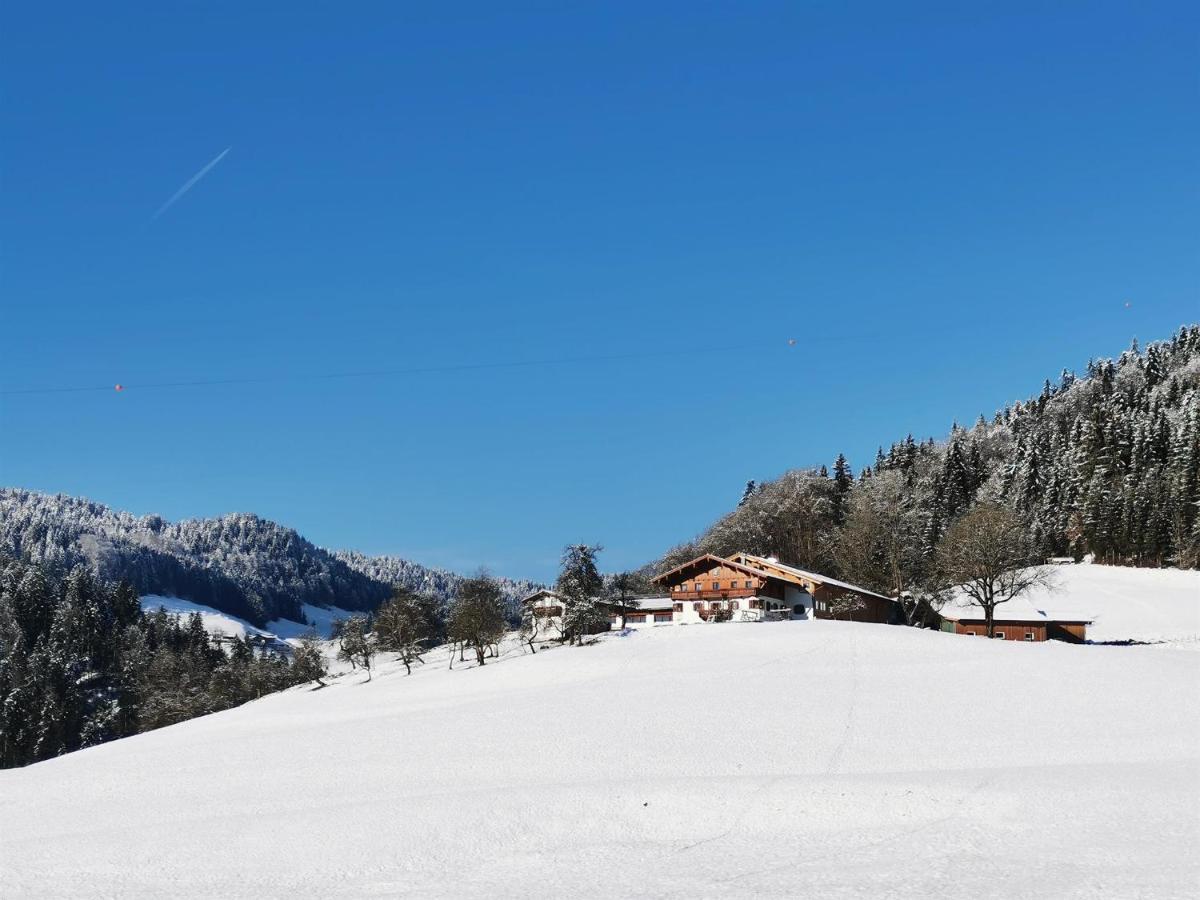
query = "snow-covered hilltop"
x=820 y=759
x=239 y=564
x=1124 y=603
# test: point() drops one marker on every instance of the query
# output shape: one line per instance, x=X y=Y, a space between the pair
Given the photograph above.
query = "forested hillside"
x=1107 y=464
x=81 y=663
x=241 y=564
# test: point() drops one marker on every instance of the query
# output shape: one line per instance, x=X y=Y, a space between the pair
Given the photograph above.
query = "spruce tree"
x=580 y=586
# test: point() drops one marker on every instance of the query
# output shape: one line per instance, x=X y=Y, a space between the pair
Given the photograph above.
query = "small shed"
x=1013 y=620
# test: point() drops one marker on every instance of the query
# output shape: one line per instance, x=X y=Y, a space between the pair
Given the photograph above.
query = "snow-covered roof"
x=538 y=595
x=812 y=576
x=649 y=604
x=640 y=603
x=962 y=608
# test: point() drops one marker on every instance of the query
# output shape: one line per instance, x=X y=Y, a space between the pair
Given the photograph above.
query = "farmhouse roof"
x=711 y=558
x=810 y=576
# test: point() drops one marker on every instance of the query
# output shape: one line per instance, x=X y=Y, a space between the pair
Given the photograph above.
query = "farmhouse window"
x=696 y=606
x=662 y=617
x=1029 y=636
x=678 y=607
x=716 y=585
x=999 y=635
x=733 y=605
x=749 y=585
x=698 y=586
x=971 y=633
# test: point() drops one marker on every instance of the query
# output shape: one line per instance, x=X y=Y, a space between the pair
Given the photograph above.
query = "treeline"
x=1105 y=464
x=241 y=564
x=478 y=616
x=81 y=664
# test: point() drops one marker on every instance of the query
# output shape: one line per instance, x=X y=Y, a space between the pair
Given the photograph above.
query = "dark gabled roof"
x=544 y=592
x=712 y=559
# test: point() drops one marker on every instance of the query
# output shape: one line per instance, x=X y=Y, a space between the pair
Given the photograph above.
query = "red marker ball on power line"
x=118 y=387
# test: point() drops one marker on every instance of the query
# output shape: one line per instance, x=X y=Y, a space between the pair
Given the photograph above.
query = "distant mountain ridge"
x=240 y=563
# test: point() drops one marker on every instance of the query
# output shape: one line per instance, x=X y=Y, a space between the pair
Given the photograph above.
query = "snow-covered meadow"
x=788 y=759
x=1124 y=603
x=319 y=619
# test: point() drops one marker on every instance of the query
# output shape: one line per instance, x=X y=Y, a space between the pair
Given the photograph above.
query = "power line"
x=285 y=377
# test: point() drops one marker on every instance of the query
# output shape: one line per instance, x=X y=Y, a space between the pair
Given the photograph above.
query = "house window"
x=716 y=585
x=698 y=587
x=999 y=635
x=733 y=605
x=1030 y=636
x=636 y=618
x=696 y=606
x=970 y=633
x=662 y=617
x=678 y=607
x=749 y=585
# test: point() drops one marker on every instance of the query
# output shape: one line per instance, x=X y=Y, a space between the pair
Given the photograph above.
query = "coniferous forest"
x=81 y=663
x=1107 y=464
x=241 y=564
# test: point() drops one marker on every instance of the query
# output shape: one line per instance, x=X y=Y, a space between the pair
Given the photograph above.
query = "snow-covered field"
x=320 y=619
x=793 y=759
x=217 y=622
x=1125 y=603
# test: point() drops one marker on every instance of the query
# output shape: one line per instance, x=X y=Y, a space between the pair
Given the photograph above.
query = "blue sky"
x=942 y=204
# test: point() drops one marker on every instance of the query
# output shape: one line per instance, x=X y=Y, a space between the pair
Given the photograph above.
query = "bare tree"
x=880 y=544
x=623 y=587
x=308 y=662
x=531 y=625
x=406 y=625
x=355 y=644
x=988 y=553
x=847 y=605
x=477 y=615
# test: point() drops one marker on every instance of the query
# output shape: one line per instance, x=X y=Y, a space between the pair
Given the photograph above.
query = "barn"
x=1014 y=620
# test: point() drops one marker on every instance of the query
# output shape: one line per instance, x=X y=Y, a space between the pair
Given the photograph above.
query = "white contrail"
x=189 y=184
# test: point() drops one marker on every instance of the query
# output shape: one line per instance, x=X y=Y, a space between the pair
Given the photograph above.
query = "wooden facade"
x=1008 y=631
x=825 y=591
x=1071 y=632
x=875 y=608
x=710 y=577
x=1015 y=630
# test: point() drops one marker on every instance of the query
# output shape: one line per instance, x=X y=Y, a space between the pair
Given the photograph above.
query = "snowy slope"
x=818 y=759
x=318 y=618
x=215 y=621
x=1125 y=603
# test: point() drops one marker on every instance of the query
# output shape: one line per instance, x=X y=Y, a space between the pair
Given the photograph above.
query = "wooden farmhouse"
x=748 y=588
x=742 y=588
